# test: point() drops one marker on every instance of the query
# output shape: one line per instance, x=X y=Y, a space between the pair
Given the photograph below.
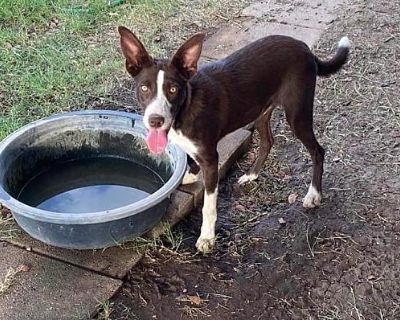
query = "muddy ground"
x=276 y=260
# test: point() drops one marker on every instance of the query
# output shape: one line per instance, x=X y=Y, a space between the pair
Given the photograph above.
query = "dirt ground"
x=276 y=260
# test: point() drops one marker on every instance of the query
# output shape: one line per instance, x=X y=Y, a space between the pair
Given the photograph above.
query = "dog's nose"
x=156 y=121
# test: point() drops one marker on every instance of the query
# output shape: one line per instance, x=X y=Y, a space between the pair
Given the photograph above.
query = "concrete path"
x=41 y=282
x=305 y=20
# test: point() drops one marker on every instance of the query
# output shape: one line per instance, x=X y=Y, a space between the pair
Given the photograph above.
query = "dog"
x=194 y=108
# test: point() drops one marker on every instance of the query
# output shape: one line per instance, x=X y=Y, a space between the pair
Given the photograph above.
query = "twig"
x=308 y=242
x=359 y=315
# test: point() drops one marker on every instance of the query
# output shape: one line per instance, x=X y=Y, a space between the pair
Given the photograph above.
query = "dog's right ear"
x=136 y=55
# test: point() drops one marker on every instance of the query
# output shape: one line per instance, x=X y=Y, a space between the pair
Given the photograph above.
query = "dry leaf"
x=23 y=268
x=196 y=300
x=292 y=198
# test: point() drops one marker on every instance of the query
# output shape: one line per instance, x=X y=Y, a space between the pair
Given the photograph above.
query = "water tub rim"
x=99 y=216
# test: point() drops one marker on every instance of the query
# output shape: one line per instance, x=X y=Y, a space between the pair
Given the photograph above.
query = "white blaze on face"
x=159 y=105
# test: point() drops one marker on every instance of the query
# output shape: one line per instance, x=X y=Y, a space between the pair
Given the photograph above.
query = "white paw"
x=190 y=178
x=205 y=245
x=312 y=199
x=247 y=177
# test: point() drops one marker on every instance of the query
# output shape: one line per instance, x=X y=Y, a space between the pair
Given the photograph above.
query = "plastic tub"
x=85 y=134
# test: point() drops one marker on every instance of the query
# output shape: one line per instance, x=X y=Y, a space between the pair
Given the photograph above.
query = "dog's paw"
x=247 y=177
x=312 y=199
x=205 y=245
x=190 y=178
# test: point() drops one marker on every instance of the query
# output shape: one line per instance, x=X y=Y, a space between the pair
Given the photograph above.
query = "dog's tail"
x=326 y=68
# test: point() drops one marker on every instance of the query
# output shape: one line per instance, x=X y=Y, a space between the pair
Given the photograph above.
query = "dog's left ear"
x=187 y=56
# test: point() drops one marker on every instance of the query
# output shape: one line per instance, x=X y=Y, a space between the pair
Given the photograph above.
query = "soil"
x=275 y=259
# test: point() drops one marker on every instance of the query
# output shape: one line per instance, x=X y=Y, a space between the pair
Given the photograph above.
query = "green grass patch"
x=58 y=55
x=54 y=55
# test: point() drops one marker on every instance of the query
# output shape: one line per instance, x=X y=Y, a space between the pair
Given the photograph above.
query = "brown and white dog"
x=196 y=108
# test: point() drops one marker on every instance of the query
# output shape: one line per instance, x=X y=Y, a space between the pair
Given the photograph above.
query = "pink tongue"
x=157 y=140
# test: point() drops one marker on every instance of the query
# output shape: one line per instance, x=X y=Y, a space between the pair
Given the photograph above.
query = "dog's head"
x=161 y=85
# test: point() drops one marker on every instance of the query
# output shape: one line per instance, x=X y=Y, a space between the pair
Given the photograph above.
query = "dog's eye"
x=144 y=88
x=173 y=90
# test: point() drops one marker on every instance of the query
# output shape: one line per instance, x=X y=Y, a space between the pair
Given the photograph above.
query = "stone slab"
x=302 y=19
x=232 y=38
x=315 y=14
x=230 y=148
x=51 y=289
x=182 y=204
x=113 y=262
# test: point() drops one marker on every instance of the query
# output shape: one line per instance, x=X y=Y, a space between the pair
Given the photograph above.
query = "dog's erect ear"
x=136 y=55
x=187 y=56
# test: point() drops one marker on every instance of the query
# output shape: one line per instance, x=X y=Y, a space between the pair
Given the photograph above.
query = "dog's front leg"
x=206 y=241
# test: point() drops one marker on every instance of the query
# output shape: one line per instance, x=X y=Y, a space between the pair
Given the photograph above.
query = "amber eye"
x=173 y=90
x=144 y=88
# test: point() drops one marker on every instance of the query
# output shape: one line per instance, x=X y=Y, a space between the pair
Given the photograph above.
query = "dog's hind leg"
x=263 y=126
x=192 y=175
x=300 y=117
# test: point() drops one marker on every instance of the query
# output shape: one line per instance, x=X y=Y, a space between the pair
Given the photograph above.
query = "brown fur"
x=246 y=86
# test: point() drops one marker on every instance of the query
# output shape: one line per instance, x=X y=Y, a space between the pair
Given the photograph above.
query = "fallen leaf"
x=23 y=268
x=5 y=213
x=292 y=198
x=196 y=300
x=282 y=221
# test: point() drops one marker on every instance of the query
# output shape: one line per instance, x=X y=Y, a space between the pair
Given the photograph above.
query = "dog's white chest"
x=176 y=137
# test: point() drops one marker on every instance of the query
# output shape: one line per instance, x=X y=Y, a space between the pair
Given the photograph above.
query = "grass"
x=167 y=239
x=59 y=55
x=105 y=310
x=8 y=281
x=8 y=229
x=54 y=57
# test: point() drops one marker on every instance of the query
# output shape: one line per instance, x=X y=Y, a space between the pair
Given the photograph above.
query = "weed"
x=8 y=280
x=105 y=309
x=8 y=229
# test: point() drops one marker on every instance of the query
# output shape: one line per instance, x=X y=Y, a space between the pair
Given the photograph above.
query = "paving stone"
x=114 y=262
x=182 y=203
x=196 y=190
x=304 y=20
x=315 y=14
x=231 y=38
x=230 y=148
x=50 y=290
